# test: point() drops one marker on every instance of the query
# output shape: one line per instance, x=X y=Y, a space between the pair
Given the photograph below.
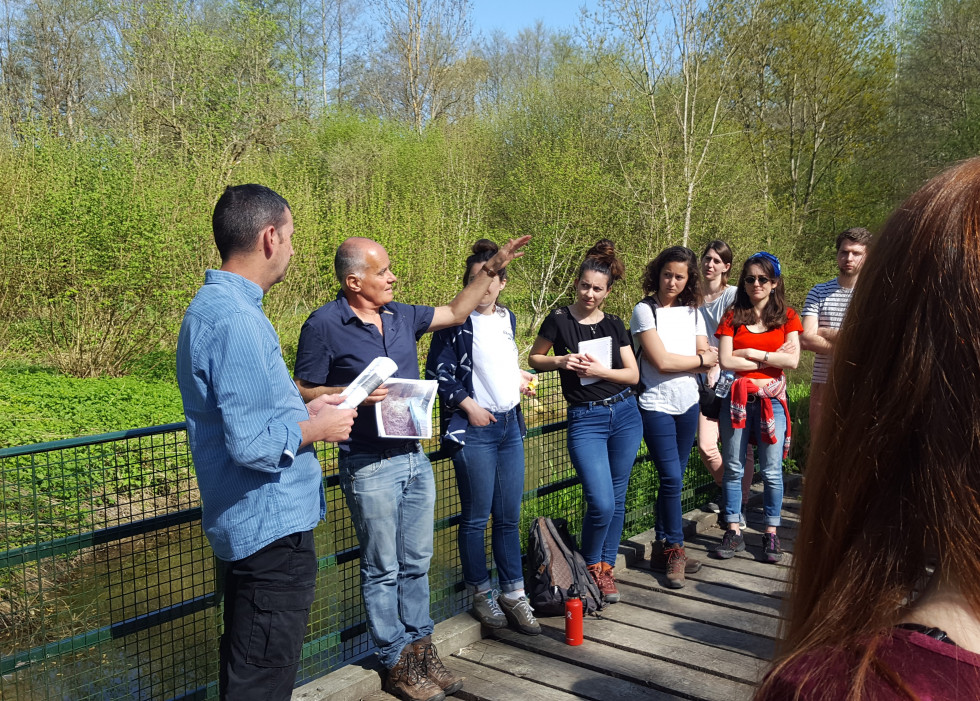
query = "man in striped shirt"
x=823 y=313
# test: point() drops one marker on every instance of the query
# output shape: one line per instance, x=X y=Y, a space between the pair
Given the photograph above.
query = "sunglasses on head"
x=750 y=279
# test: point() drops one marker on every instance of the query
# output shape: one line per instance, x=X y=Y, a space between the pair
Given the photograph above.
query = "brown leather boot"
x=607 y=587
x=433 y=668
x=658 y=559
x=406 y=680
x=610 y=594
x=677 y=565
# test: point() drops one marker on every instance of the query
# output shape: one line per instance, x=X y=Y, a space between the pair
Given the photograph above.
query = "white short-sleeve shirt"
x=678 y=328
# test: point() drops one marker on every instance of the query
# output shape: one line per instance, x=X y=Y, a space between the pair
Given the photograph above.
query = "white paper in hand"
x=372 y=377
x=600 y=349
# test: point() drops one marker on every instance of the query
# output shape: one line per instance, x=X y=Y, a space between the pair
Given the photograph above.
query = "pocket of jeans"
x=279 y=620
x=362 y=467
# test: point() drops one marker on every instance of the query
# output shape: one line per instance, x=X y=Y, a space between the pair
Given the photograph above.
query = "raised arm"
x=455 y=313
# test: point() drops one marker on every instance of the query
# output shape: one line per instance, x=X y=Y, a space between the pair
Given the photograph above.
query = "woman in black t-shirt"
x=594 y=359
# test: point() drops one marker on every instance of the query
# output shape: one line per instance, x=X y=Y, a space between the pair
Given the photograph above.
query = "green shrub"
x=40 y=404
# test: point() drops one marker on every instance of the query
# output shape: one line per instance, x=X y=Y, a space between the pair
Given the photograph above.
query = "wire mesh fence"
x=107 y=585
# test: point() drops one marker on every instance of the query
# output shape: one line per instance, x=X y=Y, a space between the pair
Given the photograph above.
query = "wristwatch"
x=489 y=271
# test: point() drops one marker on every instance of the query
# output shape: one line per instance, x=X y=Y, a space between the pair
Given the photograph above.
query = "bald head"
x=352 y=257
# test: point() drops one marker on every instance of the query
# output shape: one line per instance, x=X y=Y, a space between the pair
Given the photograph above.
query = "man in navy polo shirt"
x=388 y=483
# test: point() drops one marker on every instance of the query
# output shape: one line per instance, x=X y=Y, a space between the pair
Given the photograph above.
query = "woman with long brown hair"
x=885 y=594
x=758 y=341
x=672 y=347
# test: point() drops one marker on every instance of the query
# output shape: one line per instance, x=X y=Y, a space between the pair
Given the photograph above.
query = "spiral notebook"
x=601 y=350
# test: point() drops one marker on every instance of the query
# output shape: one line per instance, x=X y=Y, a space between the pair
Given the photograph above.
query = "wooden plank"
x=571 y=678
x=717 y=613
x=692 y=629
x=484 y=683
x=735 y=573
x=631 y=663
x=692 y=654
x=728 y=577
x=706 y=591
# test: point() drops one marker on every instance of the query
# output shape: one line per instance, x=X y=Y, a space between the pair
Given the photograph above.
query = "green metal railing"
x=107 y=585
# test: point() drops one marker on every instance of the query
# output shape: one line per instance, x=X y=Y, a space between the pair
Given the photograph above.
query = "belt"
x=402 y=449
x=608 y=401
x=752 y=398
x=409 y=447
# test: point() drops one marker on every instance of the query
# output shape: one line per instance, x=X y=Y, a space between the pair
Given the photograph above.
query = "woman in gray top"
x=717 y=296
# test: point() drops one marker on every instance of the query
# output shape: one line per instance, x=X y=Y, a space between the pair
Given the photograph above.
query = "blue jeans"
x=490 y=478
x=602 y=443
x=733 y=444
x=669 y=439
x=391 y=498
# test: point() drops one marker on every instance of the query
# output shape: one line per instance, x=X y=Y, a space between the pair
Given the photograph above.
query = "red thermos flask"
x=573 y=617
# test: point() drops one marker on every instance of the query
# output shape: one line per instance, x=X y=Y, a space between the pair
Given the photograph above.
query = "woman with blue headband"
x=751 y=338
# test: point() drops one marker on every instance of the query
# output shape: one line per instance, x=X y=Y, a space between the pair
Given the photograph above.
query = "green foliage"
x=798 y=394
x=108 y=222
x=39 y=404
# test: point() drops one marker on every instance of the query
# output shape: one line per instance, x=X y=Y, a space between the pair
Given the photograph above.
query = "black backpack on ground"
x=553 y=565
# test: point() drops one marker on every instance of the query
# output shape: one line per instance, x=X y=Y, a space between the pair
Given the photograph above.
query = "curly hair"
x=690 y=296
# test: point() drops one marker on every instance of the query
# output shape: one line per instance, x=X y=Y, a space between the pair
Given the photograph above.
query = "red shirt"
x=766 y=341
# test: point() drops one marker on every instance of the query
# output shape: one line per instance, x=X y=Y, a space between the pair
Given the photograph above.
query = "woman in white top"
x=717 y=296
x=481 y=382
x=674 y=343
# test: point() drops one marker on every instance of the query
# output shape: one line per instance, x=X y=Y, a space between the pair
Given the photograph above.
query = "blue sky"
x=514 y=15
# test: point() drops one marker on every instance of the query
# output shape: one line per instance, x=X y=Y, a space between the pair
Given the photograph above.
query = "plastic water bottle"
x=573 y=617
x=724 y=383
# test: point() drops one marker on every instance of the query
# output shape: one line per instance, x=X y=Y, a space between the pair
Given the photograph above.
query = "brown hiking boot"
x=658 y=559
x=610 y=594
x=677 y=564
x=603 y=578
x=406 y=681
x=433 y=668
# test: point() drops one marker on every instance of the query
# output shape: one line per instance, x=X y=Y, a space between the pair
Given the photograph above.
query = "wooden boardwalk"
x=710 y=640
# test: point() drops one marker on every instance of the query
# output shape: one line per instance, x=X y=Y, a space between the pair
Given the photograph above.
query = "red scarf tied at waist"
x=774 y=390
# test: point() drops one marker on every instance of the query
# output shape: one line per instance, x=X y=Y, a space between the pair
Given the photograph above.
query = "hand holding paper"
x=372 y=377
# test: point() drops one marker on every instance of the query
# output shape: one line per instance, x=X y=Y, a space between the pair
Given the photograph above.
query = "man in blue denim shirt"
x=388 y=483
x=251 y=437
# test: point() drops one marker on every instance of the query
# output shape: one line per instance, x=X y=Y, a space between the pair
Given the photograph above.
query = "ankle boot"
x=607 y=587
x=406 y=681
x=610 y=593
x=432 y=667
x=658 y=559
x=677 y=564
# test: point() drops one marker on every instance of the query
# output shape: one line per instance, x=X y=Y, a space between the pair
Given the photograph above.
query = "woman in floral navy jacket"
x=480 y=381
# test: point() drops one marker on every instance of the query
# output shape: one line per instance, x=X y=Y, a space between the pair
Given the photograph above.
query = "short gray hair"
x=350 y=258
